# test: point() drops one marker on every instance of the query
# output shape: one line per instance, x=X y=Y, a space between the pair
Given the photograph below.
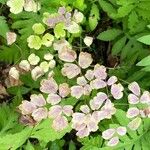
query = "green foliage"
x=3 y=26
x=94 y=17
x=145 y=39
x=109 y=34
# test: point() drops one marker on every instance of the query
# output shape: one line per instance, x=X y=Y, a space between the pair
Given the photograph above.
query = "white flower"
x=14 y=73
x=11 y=37
x=52 y=64
x=36 y=73
x=24 y=64
x=88 y=40
x=33 y=59
x=78 y=16
x=16 y=6
x=48 y=56
x=45 y=66
x=31 y=5
x=73 y=27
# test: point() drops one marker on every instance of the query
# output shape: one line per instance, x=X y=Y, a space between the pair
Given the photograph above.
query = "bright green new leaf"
x=38 y=28
x=94 y=17
x=59 y=30
x=145 y=39
x=109 y=34
x=144 y=62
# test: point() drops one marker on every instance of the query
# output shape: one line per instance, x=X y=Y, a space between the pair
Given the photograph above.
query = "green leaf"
x=3 y=26
x=80 y=4
x=144 y=62
x=94 y=17
x=117 y=47
x=3 y=1
x=109 y=34
x=45 y=133
x=14 y=141
x=29 y=146
x=107 y=7
x=145 y=39
x=59 y=30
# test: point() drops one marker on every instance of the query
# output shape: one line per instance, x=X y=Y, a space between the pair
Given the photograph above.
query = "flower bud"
x=24 y=64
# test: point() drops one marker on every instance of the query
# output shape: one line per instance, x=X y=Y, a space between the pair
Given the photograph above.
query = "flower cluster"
x=88 y=119
x=139 y=105
x=18 y=6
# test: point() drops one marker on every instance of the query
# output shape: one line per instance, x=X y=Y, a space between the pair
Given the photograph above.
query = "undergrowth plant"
x=62 y=97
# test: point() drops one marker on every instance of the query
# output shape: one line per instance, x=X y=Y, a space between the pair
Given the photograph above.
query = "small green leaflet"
x=109 y=34
x=3 y=26
x=145 y=39
x=94 y=17
x=144 y=62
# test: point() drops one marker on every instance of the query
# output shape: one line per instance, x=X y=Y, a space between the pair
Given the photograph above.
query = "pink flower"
x=57 y=112
x=38 y=100
x=135 y=123
x=77 y=91
x=27 y=107
x=145 y=98
x=11 y=37
x=53 y=99
x=70 y=70
x=67 y=55
x=134 y=88
x=85 y=60
x=112 y=135
x=60 y=123
x=87 y=89
x=39 y=114
x=64 y=90
x=100 y=72
x=81 y=81
x=49 y=86
x=116 y=91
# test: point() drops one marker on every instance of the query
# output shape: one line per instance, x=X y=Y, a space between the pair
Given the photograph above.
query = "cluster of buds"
x=34 y=65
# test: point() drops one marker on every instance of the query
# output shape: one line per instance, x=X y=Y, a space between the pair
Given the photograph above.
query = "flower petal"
x=100 y=71
x=112 y=80
x=85 y=109
x=55 y=111
x=67 y=110
x=135 y=123
x=132 y=112
x=134 y=87
x=107 y=134
x=133 y=99
x=77 y=91
x=121 y=130
x=113 y=142
x=53 y=99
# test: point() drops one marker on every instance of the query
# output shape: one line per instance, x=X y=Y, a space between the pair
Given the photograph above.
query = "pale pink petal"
x=116 y=91
x=78 y=118
x=60 y=123
x=39 y=114
x=55 y=111
x=100 y=71
x=70 y=70
x=102 y=96
x=11 y=37
x=83 y=133
x=85 y=60
x=135 y=123
x=38 y=100
x=145 y=98
x=27 y=107
x=53 y=99
x=81 y=81
x=113 y=142
x=64 y=90
x=121 y=130
x=103 y=114
x=49 y=86
x=112 y=80
x=89 y=75
x=77 y=91
x=133 y=99
x=134 y=87
x=92 y=126
x=85 y=109
x=107 y=134
x=78 y=126
x=98 y=84
x=132 y=112
x=87 y=89
x=67 y=55
x=67 y=110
